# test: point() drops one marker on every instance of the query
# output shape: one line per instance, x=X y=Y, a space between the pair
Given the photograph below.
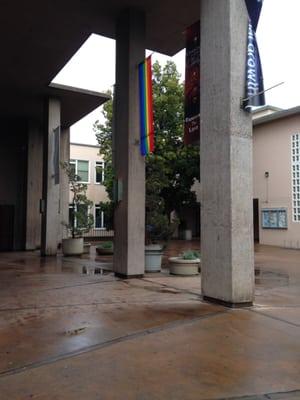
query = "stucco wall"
x=96 y=192
x=272 y=154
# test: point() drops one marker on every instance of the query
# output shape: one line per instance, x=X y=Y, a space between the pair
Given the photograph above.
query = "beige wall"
x=96 y=192
x=272 y=153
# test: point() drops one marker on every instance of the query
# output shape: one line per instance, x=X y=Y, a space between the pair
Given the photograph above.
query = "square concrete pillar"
x=226 y=156
x=129 y=258
x=51 y=221
x=64 y=182
x=34 y=186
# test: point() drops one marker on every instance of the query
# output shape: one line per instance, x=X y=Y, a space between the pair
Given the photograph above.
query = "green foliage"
x=177 y=164
x=108 y=209
x=104 y=137
x=106 y=245
x=82 y=221
x=172 y=169
x=190 y=255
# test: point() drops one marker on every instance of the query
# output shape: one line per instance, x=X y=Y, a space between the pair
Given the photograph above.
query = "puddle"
x=271 y=278
x=92 y=270
x=86 y=267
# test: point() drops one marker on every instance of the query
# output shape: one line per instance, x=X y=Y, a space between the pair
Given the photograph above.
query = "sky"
x=93 y=66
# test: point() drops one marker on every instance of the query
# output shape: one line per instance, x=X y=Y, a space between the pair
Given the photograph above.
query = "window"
x=274 y=218
x=99 y=218
x=81 y=218
x=73 y=166
x=99 y=172
x=295 y=152
x=71 y=214
x=81 y=168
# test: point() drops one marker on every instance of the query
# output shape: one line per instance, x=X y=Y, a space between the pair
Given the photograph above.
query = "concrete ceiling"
x=39 y=37
x=75 y=103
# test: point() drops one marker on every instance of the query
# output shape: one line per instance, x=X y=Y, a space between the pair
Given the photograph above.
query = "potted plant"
x=105 y=248
x=81 y=220
x=159 y=229
x=188 y=263
x=184 y=233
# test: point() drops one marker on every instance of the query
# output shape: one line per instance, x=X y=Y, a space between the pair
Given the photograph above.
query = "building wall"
x=272 y=154
x=96 y=192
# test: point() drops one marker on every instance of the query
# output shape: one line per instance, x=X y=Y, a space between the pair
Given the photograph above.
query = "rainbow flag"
x=146 y=107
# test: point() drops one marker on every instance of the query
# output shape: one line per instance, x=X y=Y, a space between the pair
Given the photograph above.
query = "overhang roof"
x=266 y=108
x=277 y=115
x=75 y=103
x=39 y=37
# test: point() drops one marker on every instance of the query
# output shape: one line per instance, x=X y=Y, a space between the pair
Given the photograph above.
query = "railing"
x=99 y=233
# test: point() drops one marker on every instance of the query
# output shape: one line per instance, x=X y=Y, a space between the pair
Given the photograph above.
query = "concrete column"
x=226 y=156
x=34 y=186
x=51 y=221
x=64 y=182
x=129 y=258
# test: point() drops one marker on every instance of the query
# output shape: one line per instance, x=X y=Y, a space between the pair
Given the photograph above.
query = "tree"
x=178 y=162
x=172 y=169
x=81 y=220
x=104 y=136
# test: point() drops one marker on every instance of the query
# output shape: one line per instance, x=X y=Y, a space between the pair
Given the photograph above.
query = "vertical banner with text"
x=254 y=95
x=192 y=85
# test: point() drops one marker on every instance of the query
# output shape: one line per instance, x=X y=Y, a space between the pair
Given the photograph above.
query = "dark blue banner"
x=254 y=76
x=254 y=9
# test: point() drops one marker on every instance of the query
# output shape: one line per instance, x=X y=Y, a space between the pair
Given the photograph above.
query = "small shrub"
x=106 y=245
x=190 y=255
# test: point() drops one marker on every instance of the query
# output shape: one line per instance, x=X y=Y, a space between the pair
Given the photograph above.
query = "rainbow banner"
x=146 y=107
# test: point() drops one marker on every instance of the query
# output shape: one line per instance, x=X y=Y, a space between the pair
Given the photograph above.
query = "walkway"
x=67 y=332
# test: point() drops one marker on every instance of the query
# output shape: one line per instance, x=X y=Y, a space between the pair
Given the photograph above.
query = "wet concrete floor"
x=69 y=329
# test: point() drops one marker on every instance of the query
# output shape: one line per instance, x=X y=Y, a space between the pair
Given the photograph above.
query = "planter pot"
x=72 y=246
x=153 y=257
x=102 y=251
x=86 y=248
x=187 y=234
x=179 y=266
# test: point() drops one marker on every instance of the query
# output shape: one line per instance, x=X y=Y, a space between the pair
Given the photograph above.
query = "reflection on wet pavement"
x=270 y=278
x=53 y=309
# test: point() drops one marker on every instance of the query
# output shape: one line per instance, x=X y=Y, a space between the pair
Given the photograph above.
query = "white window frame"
x=95 y=172
x=75 y=162
x=295 y=176
x=102 y=228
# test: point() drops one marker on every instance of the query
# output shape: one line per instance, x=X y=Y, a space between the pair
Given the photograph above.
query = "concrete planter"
x=72 y=246
x=179 y=266
x=185 y=234
x=153 y=257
